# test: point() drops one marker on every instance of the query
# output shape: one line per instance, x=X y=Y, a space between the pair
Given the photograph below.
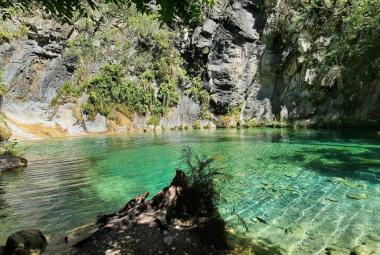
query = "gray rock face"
x=26 y=242
x=98 y=125
x=230 y=41
x=35 y=68
x=249 y=65
x=185 y=114
x=243 y=58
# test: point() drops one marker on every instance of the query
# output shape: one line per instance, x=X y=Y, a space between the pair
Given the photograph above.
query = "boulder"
x=25 y=242
x=9 y=162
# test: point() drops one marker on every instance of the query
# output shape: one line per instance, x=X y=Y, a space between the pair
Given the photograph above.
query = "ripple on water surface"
x=302 y=191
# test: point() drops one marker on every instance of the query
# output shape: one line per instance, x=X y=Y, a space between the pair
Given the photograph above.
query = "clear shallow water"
x=301 y=182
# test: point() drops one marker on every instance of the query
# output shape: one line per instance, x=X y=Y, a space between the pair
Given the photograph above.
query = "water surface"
x=315 y=189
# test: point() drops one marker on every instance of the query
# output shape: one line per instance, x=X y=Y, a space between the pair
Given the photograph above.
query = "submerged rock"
x=25 y=242
x=337 y=251
x=9 y=162
x=363 y=250
x=332 y=199
x=357 y=196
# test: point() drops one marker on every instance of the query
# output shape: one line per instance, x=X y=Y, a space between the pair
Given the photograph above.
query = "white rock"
x=98 y=125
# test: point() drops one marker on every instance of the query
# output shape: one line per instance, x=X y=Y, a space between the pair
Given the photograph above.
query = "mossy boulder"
x=9 y=162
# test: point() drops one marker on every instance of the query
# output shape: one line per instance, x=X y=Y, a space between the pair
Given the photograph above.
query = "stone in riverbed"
x=9 y=162
x=363 y=250
x=357 y=196
x=26 y=242
x=337 y=251
x=291 y=175
x=332 y=199
x=297 y=231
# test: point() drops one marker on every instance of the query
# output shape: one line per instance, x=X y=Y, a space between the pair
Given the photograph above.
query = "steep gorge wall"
x=252 y=62
x=246 y=60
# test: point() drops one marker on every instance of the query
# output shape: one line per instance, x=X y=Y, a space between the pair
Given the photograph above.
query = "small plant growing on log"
x=201 y=174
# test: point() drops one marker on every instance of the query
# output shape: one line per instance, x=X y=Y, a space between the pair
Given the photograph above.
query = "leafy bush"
x=143 y=67
x=154 y=120
x=5 y=36
x=3 y=89
x=67 y=93
x=9 y=148
x=197 y=125
x=5 y=131
x=202 y=96
x=251 y=123
x=168 y=94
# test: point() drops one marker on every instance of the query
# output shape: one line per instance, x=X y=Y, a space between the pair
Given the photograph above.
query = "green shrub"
x=251 y=123
x=5 y=36
x=3 y=89
x=168 y=94
x=67 y=93
x=154 y=120
x=9 y=148
x=5 y=131
x=142 y=56
x=110 y=90
x=197 y=125
x=202 y=96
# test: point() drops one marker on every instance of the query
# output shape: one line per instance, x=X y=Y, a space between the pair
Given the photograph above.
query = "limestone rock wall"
x=250 y=63
x=242 y=54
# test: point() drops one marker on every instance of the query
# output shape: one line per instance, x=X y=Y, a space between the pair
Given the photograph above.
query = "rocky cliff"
x=257 y=61
x=251 y=60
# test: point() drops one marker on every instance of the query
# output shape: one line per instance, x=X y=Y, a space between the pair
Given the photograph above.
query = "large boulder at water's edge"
x=25 y=242
x=9 y=162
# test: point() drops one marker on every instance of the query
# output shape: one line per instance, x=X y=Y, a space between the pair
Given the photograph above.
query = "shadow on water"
x=342 y=163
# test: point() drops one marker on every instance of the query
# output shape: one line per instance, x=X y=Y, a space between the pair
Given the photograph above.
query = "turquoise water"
x=314 y=189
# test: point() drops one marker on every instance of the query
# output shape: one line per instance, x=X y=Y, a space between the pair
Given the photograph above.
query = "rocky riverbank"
x=172 y=222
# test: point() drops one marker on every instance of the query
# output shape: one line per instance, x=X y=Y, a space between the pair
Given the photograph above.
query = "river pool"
x=301 y=190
